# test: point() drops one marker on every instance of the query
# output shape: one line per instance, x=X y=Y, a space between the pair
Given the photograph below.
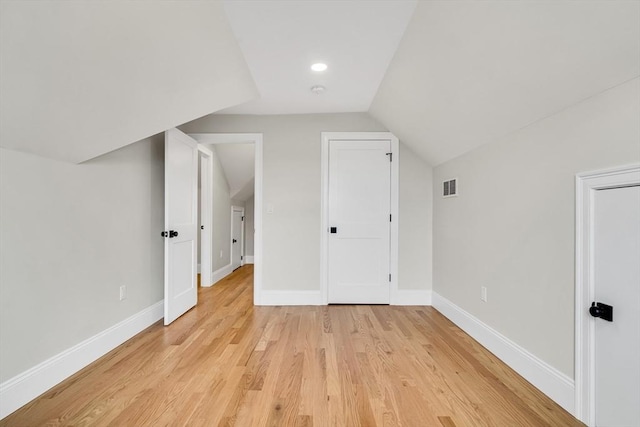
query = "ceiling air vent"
x=450 y=188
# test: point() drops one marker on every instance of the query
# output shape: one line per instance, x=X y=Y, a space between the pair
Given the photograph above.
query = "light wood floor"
x=228 y=363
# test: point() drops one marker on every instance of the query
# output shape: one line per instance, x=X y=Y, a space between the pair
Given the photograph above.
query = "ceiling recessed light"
x=318 y=89
x=319 y=66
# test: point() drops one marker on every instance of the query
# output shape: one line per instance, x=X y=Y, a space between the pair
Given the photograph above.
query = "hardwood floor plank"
x=227 y=363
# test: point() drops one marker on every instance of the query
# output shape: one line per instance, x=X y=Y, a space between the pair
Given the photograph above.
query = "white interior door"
x=237 y=220
x=181 y=223
x=617 y=283
x=359 y=222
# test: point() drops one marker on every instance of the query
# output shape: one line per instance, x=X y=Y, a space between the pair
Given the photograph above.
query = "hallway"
x=226 y=362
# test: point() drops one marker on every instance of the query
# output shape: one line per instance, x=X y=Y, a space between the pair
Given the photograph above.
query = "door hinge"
x=241 y=257
x=390 y=156
x=389 y=276
x=242 y=218
x=389 y=217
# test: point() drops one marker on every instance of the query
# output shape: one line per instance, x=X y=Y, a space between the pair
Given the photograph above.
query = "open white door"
x=181 y=223
x=237 y=236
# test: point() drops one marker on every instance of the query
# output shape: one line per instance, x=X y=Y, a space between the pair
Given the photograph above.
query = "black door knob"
x=234 y=240
x=173 y=233
x=603 y=311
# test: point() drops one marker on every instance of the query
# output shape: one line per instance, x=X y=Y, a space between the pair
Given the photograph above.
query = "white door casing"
x=359 y=260
x=206 y=202
x=181 y=204
x=237 y=236
x=607 y=245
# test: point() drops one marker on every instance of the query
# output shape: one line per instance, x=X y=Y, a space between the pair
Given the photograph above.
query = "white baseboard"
x=221 y=273
x=558 y=386
x=30 y=384
x=248 y=259
x=290 y=298
x=412 y=297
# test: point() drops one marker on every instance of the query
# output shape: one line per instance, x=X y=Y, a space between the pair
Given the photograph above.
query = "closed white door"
x=181 y=224
x=359 y=222
x=617 y=284
x=237 y=220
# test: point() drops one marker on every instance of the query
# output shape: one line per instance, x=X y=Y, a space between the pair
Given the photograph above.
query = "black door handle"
x=234 y=240
x=601 y=310
x=173 y=233
x=333 y=230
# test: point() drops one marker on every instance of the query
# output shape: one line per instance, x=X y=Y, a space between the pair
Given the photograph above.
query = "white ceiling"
x=281 y=39
x=82 y=78
x=464 y=73
x=237 y=162
x=469 y=72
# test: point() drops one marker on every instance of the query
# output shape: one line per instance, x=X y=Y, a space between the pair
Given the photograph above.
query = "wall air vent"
x=450 y=188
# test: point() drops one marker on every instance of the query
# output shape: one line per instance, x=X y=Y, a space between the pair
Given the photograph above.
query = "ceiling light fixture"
x=318 y=89
x=319 y=66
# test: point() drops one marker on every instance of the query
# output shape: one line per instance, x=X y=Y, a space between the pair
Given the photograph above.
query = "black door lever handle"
x=603 y=311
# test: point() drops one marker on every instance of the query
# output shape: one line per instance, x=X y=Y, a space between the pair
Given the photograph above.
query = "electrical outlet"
x=483 y=293
x=123 y=292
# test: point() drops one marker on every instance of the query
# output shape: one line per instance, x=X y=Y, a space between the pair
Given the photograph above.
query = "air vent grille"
x=450 y=188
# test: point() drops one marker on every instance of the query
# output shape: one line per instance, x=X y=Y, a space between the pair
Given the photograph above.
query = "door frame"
x=206 y=220
x=587 y=184
x=256 y=139
x=326 y=137
x=241 y=210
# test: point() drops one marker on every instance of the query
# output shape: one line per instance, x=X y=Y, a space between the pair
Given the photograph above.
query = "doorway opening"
x=218 y=141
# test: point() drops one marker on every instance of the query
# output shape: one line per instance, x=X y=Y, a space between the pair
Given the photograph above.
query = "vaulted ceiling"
x=79 y=79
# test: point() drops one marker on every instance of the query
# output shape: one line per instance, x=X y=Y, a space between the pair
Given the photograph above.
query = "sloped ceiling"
x=468 y=72
x=238 y=164
x=281 y=39
x=81 y=78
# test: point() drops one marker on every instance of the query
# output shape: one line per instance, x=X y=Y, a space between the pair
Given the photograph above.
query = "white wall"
x=71 y=236
x=221 y=216
x=415 y=263
x=511 y=228
x=249 y=227
x=291 y=184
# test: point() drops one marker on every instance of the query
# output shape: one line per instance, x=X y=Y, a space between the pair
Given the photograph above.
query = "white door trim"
x=206 y=219
x=241 y=210
x=586 y=185
x=256 y=138
x=324 y=206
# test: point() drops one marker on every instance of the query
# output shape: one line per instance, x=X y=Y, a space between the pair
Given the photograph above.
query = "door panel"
x=181 y=201
x=359 y=209
x=617 y=283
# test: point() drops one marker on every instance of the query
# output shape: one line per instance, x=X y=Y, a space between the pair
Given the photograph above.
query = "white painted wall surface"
x=221 y=216
x=511 y=228
x=292 y=186
x=71 y=236
x=415 y=264
x=249 y=227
